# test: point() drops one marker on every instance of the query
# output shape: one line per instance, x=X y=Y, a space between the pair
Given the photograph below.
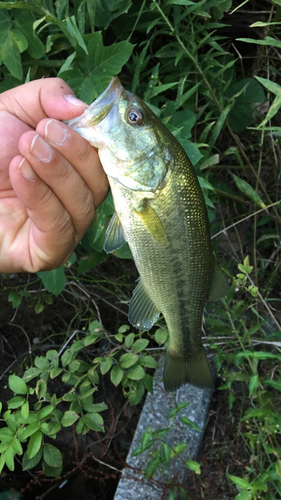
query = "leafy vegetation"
x=209 y=70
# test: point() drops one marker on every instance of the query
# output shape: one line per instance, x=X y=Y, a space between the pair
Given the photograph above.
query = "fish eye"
x=134 y=116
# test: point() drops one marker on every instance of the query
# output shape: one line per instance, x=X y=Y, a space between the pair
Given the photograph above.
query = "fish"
x=161 y=213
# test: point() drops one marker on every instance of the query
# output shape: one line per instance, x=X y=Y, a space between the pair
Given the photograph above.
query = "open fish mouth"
x=100 y=108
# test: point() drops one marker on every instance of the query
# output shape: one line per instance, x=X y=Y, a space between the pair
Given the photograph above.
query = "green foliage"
x=178 y=56
x=28 y=420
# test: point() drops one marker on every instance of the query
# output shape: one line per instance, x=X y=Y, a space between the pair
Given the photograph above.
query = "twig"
x=245 y=218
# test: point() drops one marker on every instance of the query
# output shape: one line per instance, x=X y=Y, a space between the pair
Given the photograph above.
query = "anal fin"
x=143 y=313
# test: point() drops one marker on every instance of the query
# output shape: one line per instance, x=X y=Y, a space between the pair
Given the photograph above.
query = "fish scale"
x=160 y=212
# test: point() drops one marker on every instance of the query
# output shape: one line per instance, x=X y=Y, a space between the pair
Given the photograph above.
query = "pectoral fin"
x=220 y=286
x=152 y=222
x=142 y=311
x=114 y=236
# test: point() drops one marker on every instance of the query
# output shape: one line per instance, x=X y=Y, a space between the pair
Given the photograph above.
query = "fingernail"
x=73 y=100
x=55 y=132
x=25 y=169
x=40 y=149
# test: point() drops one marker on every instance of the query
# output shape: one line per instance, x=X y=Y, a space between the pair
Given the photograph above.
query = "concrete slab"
x=133 y=485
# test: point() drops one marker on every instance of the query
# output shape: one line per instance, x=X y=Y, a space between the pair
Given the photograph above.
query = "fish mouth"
x=100 y=108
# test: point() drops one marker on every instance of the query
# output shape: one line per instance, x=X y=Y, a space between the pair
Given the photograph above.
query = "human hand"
x=51 y=179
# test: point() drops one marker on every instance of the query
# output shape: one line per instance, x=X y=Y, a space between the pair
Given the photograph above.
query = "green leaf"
x=31 y=373
x=17 y=446
x=159 y=89
x=54 y=281
x=23 y=21
x=187 y=421
x=75 y=33
x=66 y=357
x=218 y=126
x=30 y=430
x=102 y=63
x=253 y=384
x=68 y=419
x=244 y=495
x=25 y=410
x=28 y=463
x=148 y=382
x=74 y=366
x=12 y=43
x=193 y=465
x=274 y=383
x=9 y=458
x=50 y=471
x=34 y=444
x=129 y=340
x=166 y=450
x=136 y=373
x=95 y=327
x=41 y=362
x=47 y=410
x=41 y=388
x=245 y=188
x=269 y=85
x=106 y=365
x=273 y=110
x=116 y=375
x=17 y=385
x=94 y=421
x=152 y=466
x=16 y=402
x=139 y=345
x=161 y=335
x=241 y=483
x=268 y=41
x=15 y=299
x=52 y=455
x=128 y=360
x=119 y=337
x=179 y=448
x=148 y=362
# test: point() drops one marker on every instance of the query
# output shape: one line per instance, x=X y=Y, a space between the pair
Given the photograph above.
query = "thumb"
x=45 y=98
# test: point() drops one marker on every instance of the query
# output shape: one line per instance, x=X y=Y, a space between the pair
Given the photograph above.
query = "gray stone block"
x=133 y=485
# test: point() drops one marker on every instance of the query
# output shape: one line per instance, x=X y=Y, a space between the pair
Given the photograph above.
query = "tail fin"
x=193 y=369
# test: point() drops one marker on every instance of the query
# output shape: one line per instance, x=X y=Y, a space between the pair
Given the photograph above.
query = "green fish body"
x=161 y=213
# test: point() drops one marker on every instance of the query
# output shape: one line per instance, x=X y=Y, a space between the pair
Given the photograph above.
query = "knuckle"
x=84 y=151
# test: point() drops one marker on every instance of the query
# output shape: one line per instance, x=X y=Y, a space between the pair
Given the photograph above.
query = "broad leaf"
x=53 y=281
x=12 y=43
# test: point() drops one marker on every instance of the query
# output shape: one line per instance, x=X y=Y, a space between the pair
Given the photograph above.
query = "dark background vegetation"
x=211 y=71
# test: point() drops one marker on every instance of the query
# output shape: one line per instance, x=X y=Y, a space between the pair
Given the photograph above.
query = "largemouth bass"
x=161 y=213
